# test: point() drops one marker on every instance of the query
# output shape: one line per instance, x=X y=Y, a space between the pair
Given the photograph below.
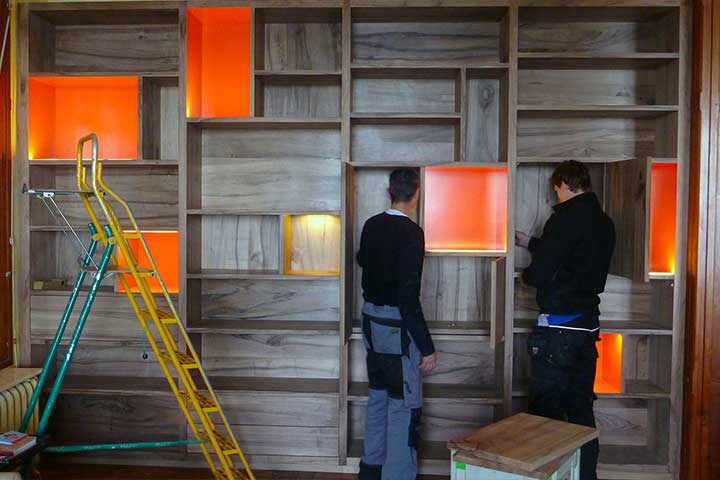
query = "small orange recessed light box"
x=465 y=209
x=63 y=109
x=608 y=376
x=663 y=194
x=165 y=249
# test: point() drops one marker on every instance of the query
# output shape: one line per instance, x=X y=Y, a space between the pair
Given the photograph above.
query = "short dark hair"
x=575 y=175
x=404 y=182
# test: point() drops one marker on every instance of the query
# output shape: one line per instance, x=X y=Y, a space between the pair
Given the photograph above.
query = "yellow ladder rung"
x=227 y=447
x=205 y=403
x=134 y=235
x=143 y=272
x=237 y=474
x=165 y=317
x=185 y=360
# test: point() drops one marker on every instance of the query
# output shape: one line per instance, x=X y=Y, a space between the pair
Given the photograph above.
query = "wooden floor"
x=95 y=472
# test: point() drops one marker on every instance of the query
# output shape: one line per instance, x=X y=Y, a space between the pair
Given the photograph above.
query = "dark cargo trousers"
x=394 y=402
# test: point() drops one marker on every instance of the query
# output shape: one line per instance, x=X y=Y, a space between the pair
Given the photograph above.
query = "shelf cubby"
x=218 y=62
x=487 y=106
x=311 y=245
x=288 y=169
x=63 y=109
x=449 y=229
x=160 y=122
x=90 y=41
x=598 y=30
x=427 y=36
x=298 y=39
x=608 y=373
x=164 y=247
x=662 y=213
x=298 y=95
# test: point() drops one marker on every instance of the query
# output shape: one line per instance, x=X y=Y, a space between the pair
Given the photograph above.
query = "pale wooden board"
x=313 y=244
x=287 y=356
x=279 y=409
x=279 y=170
x=525 y=441
x=240 y=242
x=11 y=376
x=270 y=300
x=483 y=135
x=425 y=42
x=416 y=144
x=302 y=46
x=169 y=123
x=409 y=95
x=301 y=100
x=622 y=421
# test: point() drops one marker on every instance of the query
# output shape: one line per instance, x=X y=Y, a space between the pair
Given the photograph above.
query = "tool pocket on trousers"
x=385 y=339
x=412 y=380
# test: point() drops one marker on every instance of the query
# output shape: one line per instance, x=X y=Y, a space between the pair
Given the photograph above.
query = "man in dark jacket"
x=569 y=267
x=397 y=339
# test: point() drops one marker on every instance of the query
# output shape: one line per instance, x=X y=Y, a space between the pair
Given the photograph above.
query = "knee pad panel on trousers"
x=414 y=428
x=370 y=472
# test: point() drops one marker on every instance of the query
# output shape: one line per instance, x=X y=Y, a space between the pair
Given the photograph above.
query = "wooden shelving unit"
x=265 y=137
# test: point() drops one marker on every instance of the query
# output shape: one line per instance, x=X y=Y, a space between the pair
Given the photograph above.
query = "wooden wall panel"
x=305 y=100
x=280 y=170
x=159 y=118
x=241 y=242
x=416 y=144
x=409 y=95
x=622 y=421
x=283 y=356
x=267 y=300
x=302 y=46
x=110 y=358
x=483 y=124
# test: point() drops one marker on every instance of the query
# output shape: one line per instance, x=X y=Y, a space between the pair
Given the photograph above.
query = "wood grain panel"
x=305 y=100
x=123 y=359
x=240 y=242
x=270 y=300
x=159 y=119
x=483 y=128
x=584 y=138
x=151 y=192
x=588 y=87
x=116 y=48
x=425 y=42
x=312 y=244
x=279 y=409
x=464 y=360
x=622 y=421
x=288 y=356
x=456 y=289
x=647 y=359
x=302 y=46
x=279 y=170
x=415 y=144
x=408 y=95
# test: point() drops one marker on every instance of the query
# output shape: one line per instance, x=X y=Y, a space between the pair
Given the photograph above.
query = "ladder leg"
x=76 y=334
x=60 y=331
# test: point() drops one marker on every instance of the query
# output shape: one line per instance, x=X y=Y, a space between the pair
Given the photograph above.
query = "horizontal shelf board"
x=401 y=164
x=625 y=111
x=71 y=73
x=440 y=328
x=465 y=253
x=266 y=122
x=629 y=455
x=268 y=327
x=405 y=118
x=439 y=393
x=84 y=228
x=220 y=211
x=393 y=64
x=426 y=450
x=630 y=327
x=223 y=274
x=107 y=385
x=406 y=73
x=579 y=159
x=661 y=276
x=632 y=392
x=102 y=292
x=106 y=163
x=585 y=60
x=322 y=386
x=296 y=73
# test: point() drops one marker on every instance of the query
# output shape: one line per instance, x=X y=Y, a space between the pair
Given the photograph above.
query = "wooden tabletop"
x=11 y=376
x=524 y=441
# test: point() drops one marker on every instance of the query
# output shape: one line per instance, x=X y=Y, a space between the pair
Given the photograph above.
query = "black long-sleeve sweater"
x=392 y=252
x=570 y=261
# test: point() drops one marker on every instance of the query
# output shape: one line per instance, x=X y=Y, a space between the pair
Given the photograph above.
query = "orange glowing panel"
x=63 y=109
x=164 y=247
x=663 y=193
x=608 y=376
x=465 y=208
x=218 y=62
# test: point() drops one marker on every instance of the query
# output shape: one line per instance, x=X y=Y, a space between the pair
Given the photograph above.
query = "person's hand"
x=522 y=239
x=428 y=363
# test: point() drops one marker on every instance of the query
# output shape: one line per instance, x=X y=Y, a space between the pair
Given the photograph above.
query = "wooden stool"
x=520 y=447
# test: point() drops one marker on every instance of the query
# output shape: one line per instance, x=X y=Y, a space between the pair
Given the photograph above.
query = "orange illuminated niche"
x=608 y=376
x=64 y=109
x=164 y=246
x=218 y=62
x=663 y=193
x=312 y=245
x=465 y=209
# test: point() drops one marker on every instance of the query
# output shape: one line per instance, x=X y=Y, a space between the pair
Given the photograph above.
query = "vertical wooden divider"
x=183 y=168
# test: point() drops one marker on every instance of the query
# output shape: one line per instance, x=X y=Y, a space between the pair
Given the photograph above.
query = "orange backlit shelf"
x=608 y=376
x=218 y=62
x=164 y=246
x=63 y=109
x=465 y=210
x=312 y=245
x=663 y=194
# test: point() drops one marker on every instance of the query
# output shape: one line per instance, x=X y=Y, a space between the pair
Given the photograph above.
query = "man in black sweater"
x=569 y=268
x=397 y=339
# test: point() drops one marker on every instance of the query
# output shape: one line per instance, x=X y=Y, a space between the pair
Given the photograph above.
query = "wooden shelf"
x=266 y=122
x=395 y=64
x=71 y=73
x=629 y=111
x=221 y=211
x=46 y=162
x=420 y=117
x=320 y=386
x=226 y=274
x=426 y=450
x=614 y=455
x=298 y=73
x=580 y=159
x=106 y=291
x=445 y=329
x=264 y=327
x=630 y=327
x=439 y=393
x=84 y=228
x=661 y=276
x=590 y=60
x=465 y=253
